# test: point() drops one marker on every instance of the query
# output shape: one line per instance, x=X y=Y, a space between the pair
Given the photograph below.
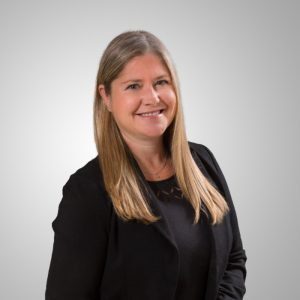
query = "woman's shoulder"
x=208 y=163
x=84 y=209
x=89 y=174
x=89 y=171
x=204 y=153
x=199 y=148
x=213 y=169
x=86 y=185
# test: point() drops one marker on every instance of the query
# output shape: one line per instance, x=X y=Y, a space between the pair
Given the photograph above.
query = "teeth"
x=151 y=114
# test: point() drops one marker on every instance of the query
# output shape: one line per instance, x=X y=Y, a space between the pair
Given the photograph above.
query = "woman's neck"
x=151 y=157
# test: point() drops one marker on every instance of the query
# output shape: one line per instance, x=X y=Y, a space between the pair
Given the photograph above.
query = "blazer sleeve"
x=232 y=285
x=80 y=243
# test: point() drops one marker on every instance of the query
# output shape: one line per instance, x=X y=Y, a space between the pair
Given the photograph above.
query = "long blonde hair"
x=115 y=158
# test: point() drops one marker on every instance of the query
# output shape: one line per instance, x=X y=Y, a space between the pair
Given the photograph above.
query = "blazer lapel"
x=216 y=247
x=219 y=238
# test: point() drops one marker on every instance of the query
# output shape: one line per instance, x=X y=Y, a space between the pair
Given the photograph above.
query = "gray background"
x=238 y=64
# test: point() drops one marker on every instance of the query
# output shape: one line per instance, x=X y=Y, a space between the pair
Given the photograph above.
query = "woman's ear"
x=105 y=97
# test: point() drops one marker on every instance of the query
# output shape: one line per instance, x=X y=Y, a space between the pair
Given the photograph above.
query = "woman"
x=151 y=216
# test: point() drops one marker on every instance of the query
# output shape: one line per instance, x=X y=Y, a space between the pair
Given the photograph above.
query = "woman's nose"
x=150 y=95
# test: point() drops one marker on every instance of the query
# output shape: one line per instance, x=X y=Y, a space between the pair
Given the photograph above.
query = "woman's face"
x=143 y=86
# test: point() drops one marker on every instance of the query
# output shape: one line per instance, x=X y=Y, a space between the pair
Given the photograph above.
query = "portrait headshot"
x=150 y=150
x=151 y=216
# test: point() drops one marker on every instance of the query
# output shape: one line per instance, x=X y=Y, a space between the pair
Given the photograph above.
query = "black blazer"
x=97 y=256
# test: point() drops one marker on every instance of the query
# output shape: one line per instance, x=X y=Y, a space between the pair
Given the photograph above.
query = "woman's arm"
x=232 y=285
x=80 y=242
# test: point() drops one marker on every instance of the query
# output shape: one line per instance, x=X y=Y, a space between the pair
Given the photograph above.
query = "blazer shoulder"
x=89 y=174
x=204 y=153
x=90 y=171
x=209 y=165
x=84 y=204
x=87 y=184
x=199 y=148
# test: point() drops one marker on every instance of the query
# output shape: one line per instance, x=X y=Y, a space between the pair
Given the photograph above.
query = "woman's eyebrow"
x=139 y=80
x=131 y=80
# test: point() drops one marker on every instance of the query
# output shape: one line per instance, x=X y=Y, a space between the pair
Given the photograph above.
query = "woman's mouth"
x=156 y=113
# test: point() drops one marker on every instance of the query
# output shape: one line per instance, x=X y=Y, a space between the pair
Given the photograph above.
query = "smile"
x=152 y=114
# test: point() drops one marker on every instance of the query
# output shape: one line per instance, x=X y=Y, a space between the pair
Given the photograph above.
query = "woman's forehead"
x=139 y=66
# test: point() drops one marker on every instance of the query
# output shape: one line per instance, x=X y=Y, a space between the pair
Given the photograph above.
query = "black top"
x=192 y=240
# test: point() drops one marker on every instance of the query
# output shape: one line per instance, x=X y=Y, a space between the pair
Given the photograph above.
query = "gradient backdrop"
x=238 y=64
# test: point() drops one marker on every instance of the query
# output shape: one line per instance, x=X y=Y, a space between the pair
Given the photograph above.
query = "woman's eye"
x=132 y=86
x=162 y=82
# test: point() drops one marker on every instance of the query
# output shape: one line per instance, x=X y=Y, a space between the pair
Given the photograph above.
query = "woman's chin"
x=154 y=135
